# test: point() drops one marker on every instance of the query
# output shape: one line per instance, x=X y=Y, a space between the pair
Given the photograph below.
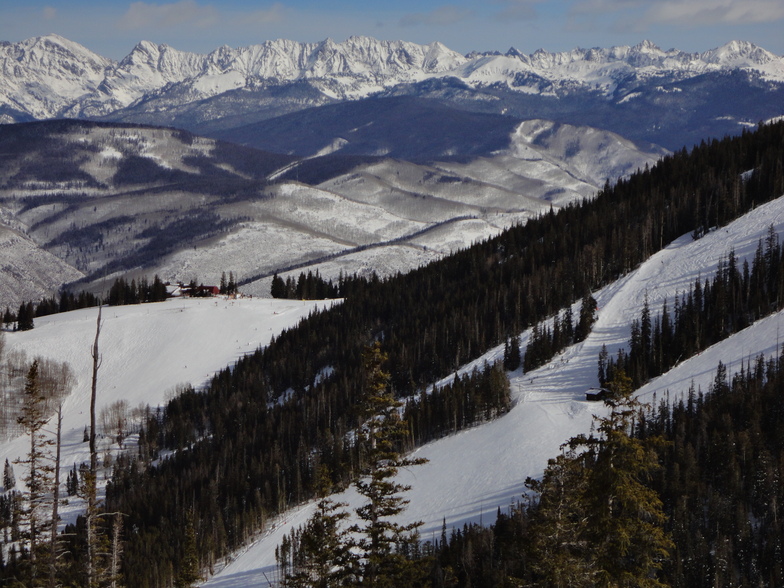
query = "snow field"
x=146 y=351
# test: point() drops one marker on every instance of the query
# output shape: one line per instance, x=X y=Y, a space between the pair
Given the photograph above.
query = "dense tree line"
x=546 y=341
x=720 y=458
x=721 y=478
x=468 y=400
x=376 y=551
x=593 y=520
x=312 y=286
x=124 y=292
x=711 y=310
x=121 y=292
x=259 y=435
x=24 y=319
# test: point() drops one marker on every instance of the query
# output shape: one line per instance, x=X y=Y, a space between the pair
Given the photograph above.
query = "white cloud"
x=712 y=12
x=443 y=15
x=50 y=13
x=142 y=15
x=270 y=15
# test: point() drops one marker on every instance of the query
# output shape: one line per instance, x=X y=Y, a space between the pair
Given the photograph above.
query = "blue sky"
x=112 y=28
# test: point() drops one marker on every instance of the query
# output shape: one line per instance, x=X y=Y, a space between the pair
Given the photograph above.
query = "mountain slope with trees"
x=607 y=237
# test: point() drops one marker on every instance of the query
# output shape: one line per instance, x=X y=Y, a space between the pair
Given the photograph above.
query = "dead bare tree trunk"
x=117 y=524
x=92 y=477
x=55 y=502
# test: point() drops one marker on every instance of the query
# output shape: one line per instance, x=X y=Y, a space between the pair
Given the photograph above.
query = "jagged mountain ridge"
x=47 y=77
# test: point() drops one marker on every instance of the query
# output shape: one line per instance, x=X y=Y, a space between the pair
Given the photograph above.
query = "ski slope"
x=473 y=473
x=146 y=351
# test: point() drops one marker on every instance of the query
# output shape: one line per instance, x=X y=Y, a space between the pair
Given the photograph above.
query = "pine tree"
x=24 y=319
x=596 y=522
x=512 y=354
x=189 y=565
x=382 y=543
x=9 y=479
x=38 y=477
x=278 y=287
x=626 y=516
x=558 y=548
x=586 y=319
x=323 y=557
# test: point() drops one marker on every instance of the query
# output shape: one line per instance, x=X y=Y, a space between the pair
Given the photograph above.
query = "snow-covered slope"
x=472 y=474
x=146 y=352
x=50 y=76
x=28 y=272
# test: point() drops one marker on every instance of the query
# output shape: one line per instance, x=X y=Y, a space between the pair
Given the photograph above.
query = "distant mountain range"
x=643 y=92
x=90 y=201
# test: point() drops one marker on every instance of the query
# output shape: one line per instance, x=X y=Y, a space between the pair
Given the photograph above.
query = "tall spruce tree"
x=323 y=557
x=9 y=479
x=38 y=464
x=512 y=353
x=384 y=545
x=558 y=549
x=189 y=572
x=626 y=516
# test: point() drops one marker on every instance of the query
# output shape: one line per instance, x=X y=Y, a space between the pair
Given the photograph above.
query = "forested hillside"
x=252 y=444
x=282 y=412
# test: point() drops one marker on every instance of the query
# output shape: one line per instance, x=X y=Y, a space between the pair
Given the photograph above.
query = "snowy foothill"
x=471 y=474
x=146 y=351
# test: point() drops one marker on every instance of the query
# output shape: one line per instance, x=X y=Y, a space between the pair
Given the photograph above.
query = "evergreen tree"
x=323 y=557
x=586 y=319
x=9 y=479
x=278 y=287
x=38 y=476
x=382 y=543
x=189 y=565
x=626 y=516
x=558 y=549
x=512 y=353
x=597 y=522
x=25 y=317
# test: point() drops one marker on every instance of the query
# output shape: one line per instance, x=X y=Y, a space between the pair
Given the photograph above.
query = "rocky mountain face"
x=51 y=77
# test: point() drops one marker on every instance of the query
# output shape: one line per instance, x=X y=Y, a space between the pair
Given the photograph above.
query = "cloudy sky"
x=112 y=28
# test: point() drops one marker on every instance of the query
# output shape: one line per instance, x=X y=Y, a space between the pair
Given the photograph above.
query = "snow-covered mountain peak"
x=50 y=76
x=646 y=46
x=739 y=53
x=54 y=55
x=43 y=76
